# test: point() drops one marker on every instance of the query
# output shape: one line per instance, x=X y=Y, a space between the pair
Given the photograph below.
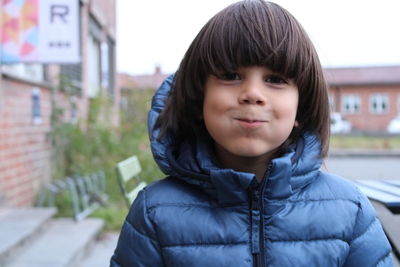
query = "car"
x=394 y=125
x=339 y=124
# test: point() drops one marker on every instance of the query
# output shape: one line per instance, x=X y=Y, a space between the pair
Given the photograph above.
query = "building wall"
x=365 y=120
x=136 y=82
x=104 y=12
x=25 y=148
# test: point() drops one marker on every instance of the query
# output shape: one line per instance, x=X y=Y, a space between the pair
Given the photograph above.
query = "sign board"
x=40 y=31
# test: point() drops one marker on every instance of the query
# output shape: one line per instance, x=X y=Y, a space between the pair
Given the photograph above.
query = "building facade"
x=368 y=97
x=30 y=92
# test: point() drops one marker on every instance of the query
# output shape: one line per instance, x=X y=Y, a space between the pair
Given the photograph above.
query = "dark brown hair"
x=248 y=33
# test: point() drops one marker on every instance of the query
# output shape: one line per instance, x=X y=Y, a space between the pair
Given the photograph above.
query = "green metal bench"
x=128 y=179
x=85 y=193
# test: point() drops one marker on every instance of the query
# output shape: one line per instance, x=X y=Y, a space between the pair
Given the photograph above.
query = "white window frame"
x=31 y=72
x=351 y=104
x=379 y=103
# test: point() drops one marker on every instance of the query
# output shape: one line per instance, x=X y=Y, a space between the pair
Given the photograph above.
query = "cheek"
x=212 y=105
x=285 y=113
x=211 y=116
x=206 y=109
x=214 y=119
x=286 y=109
x=208 y=113
x=292 y=105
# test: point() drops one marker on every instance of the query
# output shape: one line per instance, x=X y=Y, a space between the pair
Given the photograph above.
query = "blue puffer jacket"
x=202 y=215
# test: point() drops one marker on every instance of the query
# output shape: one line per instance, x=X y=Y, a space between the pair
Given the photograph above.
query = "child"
x=241 y=130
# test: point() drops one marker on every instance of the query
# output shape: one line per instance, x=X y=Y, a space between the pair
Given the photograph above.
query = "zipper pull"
x=255 y=200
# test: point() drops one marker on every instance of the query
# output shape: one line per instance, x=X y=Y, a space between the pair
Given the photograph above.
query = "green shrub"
x=98 y=146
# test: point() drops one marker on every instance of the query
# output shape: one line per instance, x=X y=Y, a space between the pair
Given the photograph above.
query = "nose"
x=252 y=93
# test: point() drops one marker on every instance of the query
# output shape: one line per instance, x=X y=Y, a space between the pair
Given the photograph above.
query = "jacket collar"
x=195 y=164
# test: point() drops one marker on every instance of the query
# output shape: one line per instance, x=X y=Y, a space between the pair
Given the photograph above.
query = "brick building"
x=28 y=91
x=368 y=97
x=127 y=82
x=145 y=81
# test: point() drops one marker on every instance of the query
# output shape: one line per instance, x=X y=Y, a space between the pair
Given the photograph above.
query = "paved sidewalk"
x=370 y=168
x=100 y=254
x=335 y=152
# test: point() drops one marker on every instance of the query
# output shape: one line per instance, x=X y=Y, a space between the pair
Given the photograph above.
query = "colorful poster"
x=40 y=31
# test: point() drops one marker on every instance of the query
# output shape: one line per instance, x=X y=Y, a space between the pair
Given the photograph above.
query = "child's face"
x=249 y=113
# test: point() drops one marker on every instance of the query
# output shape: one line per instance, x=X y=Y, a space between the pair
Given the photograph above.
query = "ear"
x=296 y=123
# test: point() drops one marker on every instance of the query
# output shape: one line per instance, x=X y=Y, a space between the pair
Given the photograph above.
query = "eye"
x=230 y=76
x=276 y=79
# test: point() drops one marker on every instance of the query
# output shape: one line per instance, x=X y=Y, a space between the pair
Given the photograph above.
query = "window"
x=31 y=72
x=36 y=110
x=398 y=104
x=71 y=74
x=351 y=104
x=108 y=66
x=378 y=104
x=94 y=53
x=105 y=65
x=93 y=66
x=331 y=103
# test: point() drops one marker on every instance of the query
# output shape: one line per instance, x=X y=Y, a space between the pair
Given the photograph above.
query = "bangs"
x=252 y=34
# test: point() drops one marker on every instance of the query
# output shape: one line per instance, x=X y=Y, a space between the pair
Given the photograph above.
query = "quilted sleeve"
x=137 y=244
x=369 y=245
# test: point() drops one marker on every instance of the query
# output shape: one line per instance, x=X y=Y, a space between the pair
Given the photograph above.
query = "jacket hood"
x=194 y=162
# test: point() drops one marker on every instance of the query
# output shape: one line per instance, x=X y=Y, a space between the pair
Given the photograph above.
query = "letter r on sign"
x=60 y=11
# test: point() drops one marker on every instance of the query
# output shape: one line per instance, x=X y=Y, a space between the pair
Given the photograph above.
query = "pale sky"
x=345 y=32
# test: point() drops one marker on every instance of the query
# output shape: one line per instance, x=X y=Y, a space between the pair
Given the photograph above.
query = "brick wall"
x=24 y=150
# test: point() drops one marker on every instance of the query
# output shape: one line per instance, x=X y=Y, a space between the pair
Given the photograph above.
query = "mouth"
x=249 y=119
x=250 y=122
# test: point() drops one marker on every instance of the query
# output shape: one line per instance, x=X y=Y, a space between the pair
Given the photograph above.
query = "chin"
x=252 y=152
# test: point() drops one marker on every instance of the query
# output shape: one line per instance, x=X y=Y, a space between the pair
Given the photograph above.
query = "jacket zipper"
x=256 y=228
x=257 y=222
